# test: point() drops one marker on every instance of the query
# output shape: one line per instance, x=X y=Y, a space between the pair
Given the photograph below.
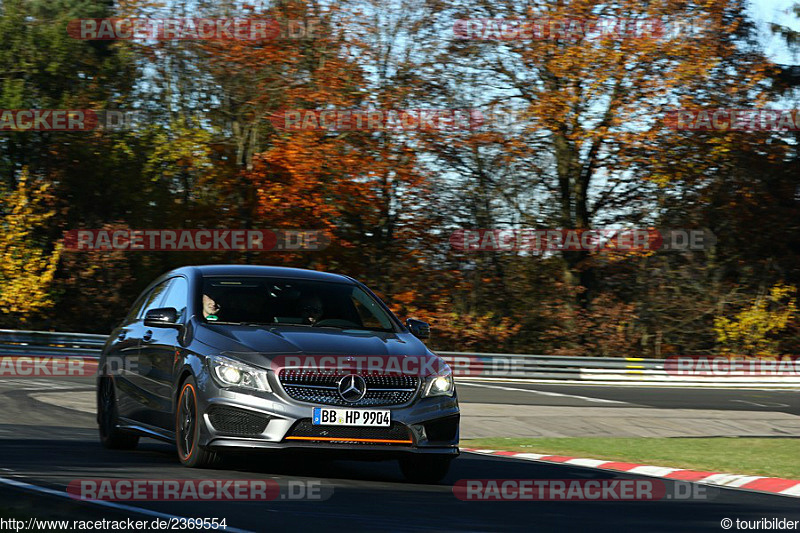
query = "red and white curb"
x=771 y=485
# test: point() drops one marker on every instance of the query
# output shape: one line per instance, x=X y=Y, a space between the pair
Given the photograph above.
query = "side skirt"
x=146 y=430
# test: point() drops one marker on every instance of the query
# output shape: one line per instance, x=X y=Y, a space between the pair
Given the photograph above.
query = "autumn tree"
x=27 y=264
x=590 y=110
x=586 y=142
x=754 y=330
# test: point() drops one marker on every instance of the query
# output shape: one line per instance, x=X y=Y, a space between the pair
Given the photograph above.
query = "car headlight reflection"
x=440 y=385
x=229 y=372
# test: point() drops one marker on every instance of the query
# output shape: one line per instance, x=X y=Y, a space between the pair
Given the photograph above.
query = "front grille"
x=237 y=422
x=394 y=434
x=321 y=387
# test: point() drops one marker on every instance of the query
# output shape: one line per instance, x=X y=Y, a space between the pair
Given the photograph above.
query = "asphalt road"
x=49 y=446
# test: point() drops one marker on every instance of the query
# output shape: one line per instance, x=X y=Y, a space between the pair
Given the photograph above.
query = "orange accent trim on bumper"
x=339 y=439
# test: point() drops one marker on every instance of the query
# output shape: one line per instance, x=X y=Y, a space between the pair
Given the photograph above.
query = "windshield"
x=294 y=302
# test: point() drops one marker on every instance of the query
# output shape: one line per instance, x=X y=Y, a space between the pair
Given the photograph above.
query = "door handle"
x=122 y=335
x=148 y=335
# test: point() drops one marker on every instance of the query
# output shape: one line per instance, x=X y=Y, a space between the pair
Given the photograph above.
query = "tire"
x=108 y=419
x=427 y=469
x=187 y=428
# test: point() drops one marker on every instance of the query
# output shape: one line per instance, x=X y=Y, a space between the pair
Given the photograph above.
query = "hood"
x=261 y=344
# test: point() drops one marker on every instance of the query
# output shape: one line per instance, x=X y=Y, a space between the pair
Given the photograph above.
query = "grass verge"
x=755 y=456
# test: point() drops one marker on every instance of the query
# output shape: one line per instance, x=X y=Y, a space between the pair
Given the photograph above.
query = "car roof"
x=259 y=270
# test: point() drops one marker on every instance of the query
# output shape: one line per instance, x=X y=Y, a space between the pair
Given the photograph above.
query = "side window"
x=177 y=296
x=136 y=308
x=154 y=298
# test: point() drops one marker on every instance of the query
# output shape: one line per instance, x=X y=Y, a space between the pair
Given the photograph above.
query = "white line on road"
x=38 y=384
x=544 y=393
x=769 y=404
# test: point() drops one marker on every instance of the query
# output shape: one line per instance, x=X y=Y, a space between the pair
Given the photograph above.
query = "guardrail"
x=466 y=366
x=525 y=366
x=597 y=370
x=50 y=343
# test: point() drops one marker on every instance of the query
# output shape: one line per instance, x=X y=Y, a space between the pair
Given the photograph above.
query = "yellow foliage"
x=26 y=271
x=748 y=332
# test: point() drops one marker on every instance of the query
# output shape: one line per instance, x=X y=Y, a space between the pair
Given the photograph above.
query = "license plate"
x=324 y=416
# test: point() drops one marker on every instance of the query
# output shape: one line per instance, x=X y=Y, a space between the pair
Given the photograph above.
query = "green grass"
x=756 y=456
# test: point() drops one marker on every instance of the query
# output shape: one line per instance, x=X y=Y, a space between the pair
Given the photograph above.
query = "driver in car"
x=210 y=308
x=311 y=309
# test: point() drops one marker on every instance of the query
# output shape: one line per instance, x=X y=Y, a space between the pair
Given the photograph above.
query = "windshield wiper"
x=357 y=328
x=258 y=324
x=271 y=324
x=245 y=323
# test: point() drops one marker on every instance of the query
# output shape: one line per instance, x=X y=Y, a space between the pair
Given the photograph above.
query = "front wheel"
x=108 y=420
x=428 y=469
x=187 y=429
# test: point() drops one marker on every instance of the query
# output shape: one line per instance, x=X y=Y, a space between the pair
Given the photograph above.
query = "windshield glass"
x=281 y=301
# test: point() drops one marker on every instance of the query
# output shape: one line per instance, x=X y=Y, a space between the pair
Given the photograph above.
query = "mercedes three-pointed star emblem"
x=352 y=388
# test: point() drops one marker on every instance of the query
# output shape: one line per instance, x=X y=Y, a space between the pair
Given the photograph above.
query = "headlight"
x=232 y=373
x=440 y=385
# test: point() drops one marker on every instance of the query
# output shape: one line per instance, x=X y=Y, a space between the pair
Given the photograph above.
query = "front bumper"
x=248 y=420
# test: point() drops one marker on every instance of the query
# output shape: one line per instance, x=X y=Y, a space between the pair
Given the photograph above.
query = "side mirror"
x=418 y=328
x=163 y=317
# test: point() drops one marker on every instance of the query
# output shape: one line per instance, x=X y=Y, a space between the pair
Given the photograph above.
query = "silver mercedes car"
x=253 y=358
